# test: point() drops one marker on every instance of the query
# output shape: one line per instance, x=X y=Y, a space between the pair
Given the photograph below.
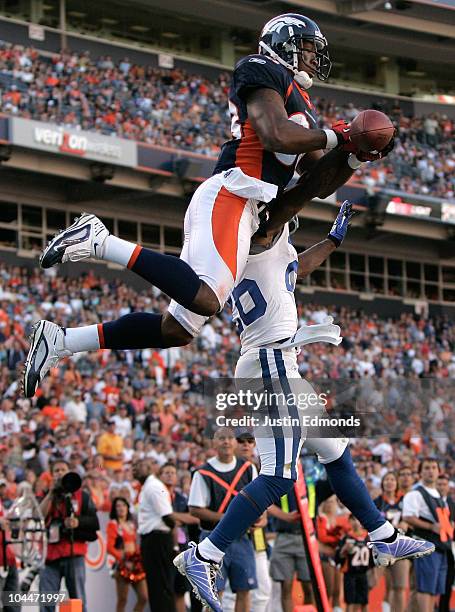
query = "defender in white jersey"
x=263 y=302
x=265 y=310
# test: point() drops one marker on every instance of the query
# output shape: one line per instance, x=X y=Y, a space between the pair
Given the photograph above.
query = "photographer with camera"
x=71 y=521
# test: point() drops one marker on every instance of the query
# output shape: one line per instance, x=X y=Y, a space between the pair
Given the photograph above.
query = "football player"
x=265 y=309
x=273 y=125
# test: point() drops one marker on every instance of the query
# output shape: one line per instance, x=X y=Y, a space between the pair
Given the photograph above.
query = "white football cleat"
x=82 y=240
x=47 y=347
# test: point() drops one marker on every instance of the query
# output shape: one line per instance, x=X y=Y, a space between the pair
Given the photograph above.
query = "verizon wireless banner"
x=77 y=143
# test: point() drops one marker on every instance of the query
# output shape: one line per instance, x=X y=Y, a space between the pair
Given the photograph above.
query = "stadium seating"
x=176 y=109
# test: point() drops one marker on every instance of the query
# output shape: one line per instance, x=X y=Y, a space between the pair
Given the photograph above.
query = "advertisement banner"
x=76 y=143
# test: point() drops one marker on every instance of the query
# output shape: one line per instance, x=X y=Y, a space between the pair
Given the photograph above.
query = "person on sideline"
x=156 y=519
x=246 y=445
x=215 y=484
x=427 y=514
x=122 y=544
x=390 y=503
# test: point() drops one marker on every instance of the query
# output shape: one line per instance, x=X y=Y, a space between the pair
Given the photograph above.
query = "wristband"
x=353 y=162
x=334 y=240
x=332 y=139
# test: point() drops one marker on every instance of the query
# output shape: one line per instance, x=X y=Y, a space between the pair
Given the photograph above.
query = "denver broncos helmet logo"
x=277 y=23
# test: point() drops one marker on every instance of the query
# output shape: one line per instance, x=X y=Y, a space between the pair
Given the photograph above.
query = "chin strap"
x=302 y=77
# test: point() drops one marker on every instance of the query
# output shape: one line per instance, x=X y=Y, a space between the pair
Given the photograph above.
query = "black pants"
x=444 y=600
x=10 y=584
x=157 y=550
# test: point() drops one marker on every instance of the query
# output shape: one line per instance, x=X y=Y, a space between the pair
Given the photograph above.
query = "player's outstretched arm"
x=328 y=173
x=313 y=257
x=269 y=120
x=324 y=176
x=319 y=178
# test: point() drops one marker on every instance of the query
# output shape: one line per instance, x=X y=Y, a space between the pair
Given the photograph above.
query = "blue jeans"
x=70 y=568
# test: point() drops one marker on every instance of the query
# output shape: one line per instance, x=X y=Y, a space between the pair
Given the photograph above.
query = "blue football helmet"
x=281 y=39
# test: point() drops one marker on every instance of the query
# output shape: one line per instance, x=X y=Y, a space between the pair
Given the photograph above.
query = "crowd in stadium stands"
x=176 y=109
x=154 y=396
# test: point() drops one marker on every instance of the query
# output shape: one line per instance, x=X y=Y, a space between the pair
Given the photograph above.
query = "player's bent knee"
x=206 y=302
x=173 y=334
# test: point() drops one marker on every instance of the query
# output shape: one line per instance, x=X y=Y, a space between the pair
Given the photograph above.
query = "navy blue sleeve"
x=258 y=71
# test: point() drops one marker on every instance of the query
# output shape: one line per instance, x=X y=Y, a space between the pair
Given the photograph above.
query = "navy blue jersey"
x=358 y=560
x=392 y=512
x=245 y=150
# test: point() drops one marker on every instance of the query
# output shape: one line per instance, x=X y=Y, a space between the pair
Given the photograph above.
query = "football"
x=371 y=131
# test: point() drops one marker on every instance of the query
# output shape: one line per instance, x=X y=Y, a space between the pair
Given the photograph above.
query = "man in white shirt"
x=122 y=421
x=155 y=522
x=424 y=510
x=75 y=408
x=383 y=449
x=9 y=423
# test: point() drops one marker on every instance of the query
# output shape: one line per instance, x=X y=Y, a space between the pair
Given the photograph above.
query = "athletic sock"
x=243 y=511
x=385 y=533
x=133 y=331
x=117 y=250
x=84 y=338
x=206 y=551
x=352 y=492
x=170 y=274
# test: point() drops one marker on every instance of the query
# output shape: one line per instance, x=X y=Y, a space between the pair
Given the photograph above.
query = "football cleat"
x=82 y=240
x=404 y=547
x=201 y=575
x=47 y=347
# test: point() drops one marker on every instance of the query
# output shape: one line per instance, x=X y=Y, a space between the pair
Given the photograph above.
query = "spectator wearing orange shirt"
x=13 y=96
x=55 y=412
x=167 y=419
x=157 y=367
x=11 y=484
x=110 y=447
x=52 y=80
x=72 y=376
x=111 y=395
x=98 y=485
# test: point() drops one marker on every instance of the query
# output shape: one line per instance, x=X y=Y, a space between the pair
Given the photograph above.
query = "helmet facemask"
x=324 y=64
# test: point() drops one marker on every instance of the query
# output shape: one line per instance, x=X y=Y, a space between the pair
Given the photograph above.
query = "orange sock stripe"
x=101 y=335
x=134 y=256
